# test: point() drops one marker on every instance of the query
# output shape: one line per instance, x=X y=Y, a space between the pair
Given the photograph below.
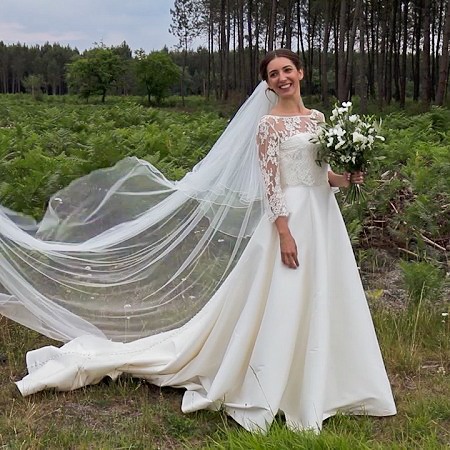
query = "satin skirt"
x=271 y=340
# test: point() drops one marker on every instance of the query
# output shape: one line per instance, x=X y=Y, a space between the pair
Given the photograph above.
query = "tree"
x=342 y=65
x=350 y=49
x=185 y=26
x=272 y=25
x=426 y=68
x=126 y=81
x=362 y=83
x=417 y=38
x=156 y=72
x=34 y=84
x=4 y=68
x=95 y=71
x=444 y=61
x=404 y=53
x=324 y=61
x=18 y=66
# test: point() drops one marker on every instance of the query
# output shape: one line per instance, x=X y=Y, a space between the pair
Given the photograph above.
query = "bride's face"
x=283 y=77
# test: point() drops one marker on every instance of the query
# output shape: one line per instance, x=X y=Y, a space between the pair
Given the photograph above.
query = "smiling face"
x=283 y=77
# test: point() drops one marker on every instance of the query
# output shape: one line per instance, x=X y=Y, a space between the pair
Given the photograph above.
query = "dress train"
x=270 y=339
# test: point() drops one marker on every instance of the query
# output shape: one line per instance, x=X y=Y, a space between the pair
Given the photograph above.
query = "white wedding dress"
x=271 y=339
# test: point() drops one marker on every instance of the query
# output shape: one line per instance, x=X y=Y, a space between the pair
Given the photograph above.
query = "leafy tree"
x=34 y=84
x=156 y=72
x=126 y=83
x=95 y=71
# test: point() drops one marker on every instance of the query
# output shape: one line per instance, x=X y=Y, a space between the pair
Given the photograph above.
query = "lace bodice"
x=287 y=157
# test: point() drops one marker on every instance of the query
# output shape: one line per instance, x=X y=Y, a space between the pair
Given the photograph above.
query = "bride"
x=241 y=289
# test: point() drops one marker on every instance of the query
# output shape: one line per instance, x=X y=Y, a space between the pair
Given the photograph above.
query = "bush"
x=423 y=281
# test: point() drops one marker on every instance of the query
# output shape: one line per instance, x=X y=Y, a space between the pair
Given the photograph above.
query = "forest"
x=385 y=52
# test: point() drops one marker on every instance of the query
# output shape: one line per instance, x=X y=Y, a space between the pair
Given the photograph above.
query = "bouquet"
x=347 y=142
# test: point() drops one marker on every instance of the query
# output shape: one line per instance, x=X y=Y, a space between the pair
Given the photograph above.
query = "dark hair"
x=283 y=53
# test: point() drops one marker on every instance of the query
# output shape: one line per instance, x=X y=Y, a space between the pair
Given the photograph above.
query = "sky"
x=82 y=23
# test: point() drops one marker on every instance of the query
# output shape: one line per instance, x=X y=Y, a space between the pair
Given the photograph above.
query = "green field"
x=401 y=237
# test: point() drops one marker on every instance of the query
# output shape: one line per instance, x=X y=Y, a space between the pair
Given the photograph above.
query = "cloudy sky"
x=81 y=23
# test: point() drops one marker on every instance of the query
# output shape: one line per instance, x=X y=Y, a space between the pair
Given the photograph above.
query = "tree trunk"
x=362 y=83
x=222 y=45
x=256 y=48
x=392 y=14
x=272 y=25
x=324 y=61
x=416 y=59
x=227 y=51
x=210 y=54
x=396 y=50
x=251 y=68
x=370 y=28
x=438 y=39
x=381 y=63
x=404 y=54
x=234 y=85
x=336 y=54
x=342 y=66
x=288 y=23
x=183 y=74
x=311 y=33
x=426 y=79
x=241 y=48
x=213 y=60
x=350 y=49
x=444 y=60
x=300 y=36
x=299 y=25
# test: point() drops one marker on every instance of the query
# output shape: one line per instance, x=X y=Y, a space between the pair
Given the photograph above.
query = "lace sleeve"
x=320 y=116
x=268 y=142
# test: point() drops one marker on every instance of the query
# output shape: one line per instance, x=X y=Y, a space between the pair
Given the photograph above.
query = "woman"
x=282 y=71
x=270 y=339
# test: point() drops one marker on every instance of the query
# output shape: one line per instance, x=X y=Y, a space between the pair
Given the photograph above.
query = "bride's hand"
x=289 y=254
x=354 y=177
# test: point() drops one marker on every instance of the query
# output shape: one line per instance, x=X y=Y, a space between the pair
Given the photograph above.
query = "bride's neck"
x=293 y=105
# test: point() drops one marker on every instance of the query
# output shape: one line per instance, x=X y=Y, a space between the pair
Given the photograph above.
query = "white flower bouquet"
x=347 y=142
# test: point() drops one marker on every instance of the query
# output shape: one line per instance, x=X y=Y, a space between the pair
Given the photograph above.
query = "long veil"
x=124 y=253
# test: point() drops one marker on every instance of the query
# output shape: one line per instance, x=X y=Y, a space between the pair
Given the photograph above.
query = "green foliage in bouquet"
x=347 y=143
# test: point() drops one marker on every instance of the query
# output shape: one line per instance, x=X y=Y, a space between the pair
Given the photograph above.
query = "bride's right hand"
x=289 y=254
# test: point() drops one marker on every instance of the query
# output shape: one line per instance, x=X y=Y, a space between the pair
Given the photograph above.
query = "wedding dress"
x=270 y=339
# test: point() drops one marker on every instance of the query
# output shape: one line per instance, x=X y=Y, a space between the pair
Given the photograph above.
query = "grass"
x=132 y=414
x=124 y=414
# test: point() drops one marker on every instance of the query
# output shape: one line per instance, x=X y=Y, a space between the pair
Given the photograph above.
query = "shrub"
x=423 y=281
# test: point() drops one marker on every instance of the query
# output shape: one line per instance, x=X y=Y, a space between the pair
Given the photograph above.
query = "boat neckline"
x=292 y=115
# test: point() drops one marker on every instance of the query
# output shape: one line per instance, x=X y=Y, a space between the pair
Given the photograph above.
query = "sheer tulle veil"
x=125 y=253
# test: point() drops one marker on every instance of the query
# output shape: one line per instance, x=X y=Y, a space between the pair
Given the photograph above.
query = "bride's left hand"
x=355 y=177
